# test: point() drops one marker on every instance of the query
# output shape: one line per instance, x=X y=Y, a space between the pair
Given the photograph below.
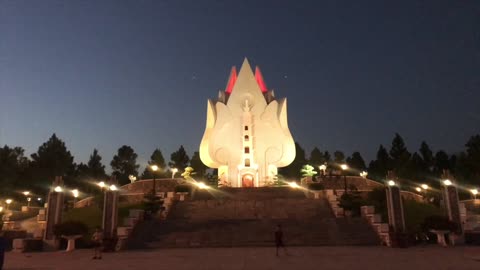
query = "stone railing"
x=375 y=220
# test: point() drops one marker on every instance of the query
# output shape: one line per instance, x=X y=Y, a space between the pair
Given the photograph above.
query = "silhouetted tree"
x=179 y=159
x=356 y=162
x=316 y=158
x=155 y=159
x=13 y=166
x=338 y=157
x=197 y=164
x=124 y=163
x=379 y=167
x=52 y=159
x=427 y=156
x=441 y=162
x=327 y=157
x=400 y=156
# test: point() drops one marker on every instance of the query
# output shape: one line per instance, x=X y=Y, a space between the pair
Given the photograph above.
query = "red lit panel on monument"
x=231 y=80
x=260 y=81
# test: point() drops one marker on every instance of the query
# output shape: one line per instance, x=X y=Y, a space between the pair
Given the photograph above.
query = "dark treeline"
x=422 y=166
x=18 y=172
x=35 y=173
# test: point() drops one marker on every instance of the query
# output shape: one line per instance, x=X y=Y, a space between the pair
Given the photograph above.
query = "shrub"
x=70 y=228
x=417 y=212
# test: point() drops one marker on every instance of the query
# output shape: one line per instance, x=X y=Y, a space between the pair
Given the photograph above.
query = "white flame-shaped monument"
x=246 y=135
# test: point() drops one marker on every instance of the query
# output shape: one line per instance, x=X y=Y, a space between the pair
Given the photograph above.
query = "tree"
x=13 y=166
x=124 y=163
x=155 y=159
x=179 y=159
x=95 y=167
x=197 y=164
x=52 y=159
x=339 y=157
x=379 y=167
x=473 y=155
x=316 y=158
x=427 y=156
x=356 y=162
x=327 y=157
x=400 y=156
x=441 y=162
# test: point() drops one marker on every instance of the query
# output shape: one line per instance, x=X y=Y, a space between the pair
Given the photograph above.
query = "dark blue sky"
x=101 y=74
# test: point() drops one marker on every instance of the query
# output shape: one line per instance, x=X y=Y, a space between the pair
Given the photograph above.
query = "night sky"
x=101 y=74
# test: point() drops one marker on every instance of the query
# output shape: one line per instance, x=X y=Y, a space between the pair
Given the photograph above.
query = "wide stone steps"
x=248 y=217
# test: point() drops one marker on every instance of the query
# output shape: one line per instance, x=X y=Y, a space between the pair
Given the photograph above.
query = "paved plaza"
x=430 y=257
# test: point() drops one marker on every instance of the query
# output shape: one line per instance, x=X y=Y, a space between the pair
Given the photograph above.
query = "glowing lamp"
x=101 y=184
x=391 y=183
x=447 y=182
x=418 y=189
x=424 y=186
x=29 y=199
x=154 y=168
x=113 y=188
x=293 y=185
x=201 y=185
x=26 y=193
x=363 y=174
x=75 y=193
x=58 y=189
x=39 y=199
x=474 y=191
x=344 y=167
x=1 y=209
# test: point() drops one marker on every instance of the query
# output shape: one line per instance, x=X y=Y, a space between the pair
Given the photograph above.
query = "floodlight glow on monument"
x=447 y=182
x=246 y=135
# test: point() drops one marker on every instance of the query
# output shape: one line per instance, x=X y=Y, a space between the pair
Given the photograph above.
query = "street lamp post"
x=8 y=201
x=474 y=193
x=75 y=196
x=344 y=168
x=154 y=169
x=174 y=171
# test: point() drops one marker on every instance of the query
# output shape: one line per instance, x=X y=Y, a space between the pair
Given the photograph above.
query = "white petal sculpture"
x=246 y=136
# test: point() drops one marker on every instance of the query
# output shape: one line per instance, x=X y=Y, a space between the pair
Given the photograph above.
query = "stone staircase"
x=248 y=217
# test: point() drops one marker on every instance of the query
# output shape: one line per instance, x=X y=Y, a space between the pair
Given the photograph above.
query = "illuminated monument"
x=246 y=135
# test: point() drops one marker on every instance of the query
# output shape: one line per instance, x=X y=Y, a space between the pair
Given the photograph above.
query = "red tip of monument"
x=260 y=81
x=231 y=80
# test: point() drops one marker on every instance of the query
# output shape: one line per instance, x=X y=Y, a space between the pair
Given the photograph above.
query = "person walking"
x=279 y=239
x=97 y=239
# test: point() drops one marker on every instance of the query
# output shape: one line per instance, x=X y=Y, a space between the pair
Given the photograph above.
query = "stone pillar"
x=396 y=217
x=110 y=210
x=450 y=197
x=54 y=211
